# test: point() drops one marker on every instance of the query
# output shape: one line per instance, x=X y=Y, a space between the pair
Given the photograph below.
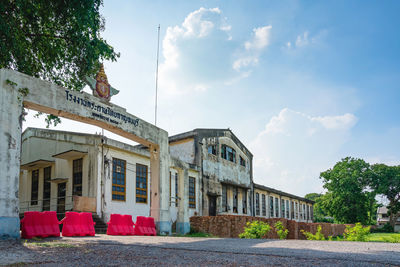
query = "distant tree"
x=58 y=41
x=348 y=199
x=320 y=215
x=386 y=181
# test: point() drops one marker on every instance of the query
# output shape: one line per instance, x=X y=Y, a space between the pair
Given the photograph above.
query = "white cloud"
x=302 y=40
x=253 y=48
x=190 y=59
x=294 y=148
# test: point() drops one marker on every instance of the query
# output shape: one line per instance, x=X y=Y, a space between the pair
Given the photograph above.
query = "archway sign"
x=18 y=90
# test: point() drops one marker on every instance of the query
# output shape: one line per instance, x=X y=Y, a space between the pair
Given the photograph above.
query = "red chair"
x=50 y=223
x=28 y=224
x=71 y=224
x=139 y=226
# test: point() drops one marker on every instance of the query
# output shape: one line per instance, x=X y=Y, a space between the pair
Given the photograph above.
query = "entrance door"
x=61 y=197
x=212 y=205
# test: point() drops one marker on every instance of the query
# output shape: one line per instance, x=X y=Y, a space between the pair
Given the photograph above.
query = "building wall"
x=300 y=214
x=183 y=150
x=129 y=206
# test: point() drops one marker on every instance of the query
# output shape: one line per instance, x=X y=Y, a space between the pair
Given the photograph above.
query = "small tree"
x=255 y=229
x=356 y=233
x=318 y=235
x=280 y=230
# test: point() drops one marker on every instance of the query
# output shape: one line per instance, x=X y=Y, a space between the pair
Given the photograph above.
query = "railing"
x=59 y=204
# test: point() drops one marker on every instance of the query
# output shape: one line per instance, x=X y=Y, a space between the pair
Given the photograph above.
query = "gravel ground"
x=184 y=251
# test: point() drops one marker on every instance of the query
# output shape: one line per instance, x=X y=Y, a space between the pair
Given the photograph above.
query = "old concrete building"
x=65 y=171
x=272 y=203
x=225 y=166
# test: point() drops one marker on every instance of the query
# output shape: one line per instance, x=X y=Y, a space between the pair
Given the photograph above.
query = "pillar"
x=10 y=145
x=182 y=222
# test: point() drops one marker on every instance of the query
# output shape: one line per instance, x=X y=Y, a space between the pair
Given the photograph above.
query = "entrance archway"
x=18 y=90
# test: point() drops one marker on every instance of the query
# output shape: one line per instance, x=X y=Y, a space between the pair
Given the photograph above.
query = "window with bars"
x=235 y=199
x=228 y=153
x=141 y=183
x=271 y=207
x=35 y=187
x=77 y=177
x=244 y=201
x=212 y=149
x=224 y=198
x=46 y=188
x=264 y=205
x=119 y=179
x=287 y=209
x=176 y=189
x=242 y=161
x=276 y=207
x=192 y=192
x=292 y=210
x=257 y=204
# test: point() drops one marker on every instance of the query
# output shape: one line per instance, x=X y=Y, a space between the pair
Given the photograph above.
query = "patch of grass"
x=384 y=237
x=50 y=244
x=198 y=234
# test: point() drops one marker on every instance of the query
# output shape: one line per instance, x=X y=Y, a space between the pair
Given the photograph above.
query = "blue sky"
x=301 y=83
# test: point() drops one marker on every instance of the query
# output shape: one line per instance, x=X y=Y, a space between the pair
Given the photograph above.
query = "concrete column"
x=10 y=145
x=159 y=169
x=182 y=222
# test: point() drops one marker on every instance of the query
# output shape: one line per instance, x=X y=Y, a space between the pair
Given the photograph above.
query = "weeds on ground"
x=255 y=229
x=49 y=244
x=318 y=235
x=280 y=230
x=356 y=233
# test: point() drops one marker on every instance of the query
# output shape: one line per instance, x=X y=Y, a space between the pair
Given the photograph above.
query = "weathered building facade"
x=65 y=171
x=225 y=169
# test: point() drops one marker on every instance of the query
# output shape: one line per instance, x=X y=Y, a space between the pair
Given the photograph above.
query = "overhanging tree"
x=58 y=41
x=386 y=181
x=347 y=198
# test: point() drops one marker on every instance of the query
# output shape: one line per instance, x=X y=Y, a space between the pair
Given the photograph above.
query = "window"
x=212 y=149
x=292 y=210
x=257 y=204
x=228 y=153
x=306 y=208
x=46 y=188
x=304 y=212
x=192 y=192
x=242 y=161
x=271 y=207
x=276 y=207
x=264 y=205
x=296 y=211
x=244 y=200
x=77 y=177
x=118 y=183
x=35 y=187
x=287 y=209
x=283 y=208
x=141 y=183
x=176 y=189
x=235 y=199
x=224 y=198
x=312 y=212
x=170 y=185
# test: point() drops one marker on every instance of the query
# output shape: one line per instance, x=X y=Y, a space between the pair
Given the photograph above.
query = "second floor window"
x=118 y=179
x=242 y=161
x=212 y=149
x=141 y=183
x=77 y=177
x=228 y=153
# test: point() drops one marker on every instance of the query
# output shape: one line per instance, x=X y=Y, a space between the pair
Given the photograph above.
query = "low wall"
x=233 y=225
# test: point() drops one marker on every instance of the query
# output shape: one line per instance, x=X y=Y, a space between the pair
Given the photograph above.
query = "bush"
x=255 y=229
x=387 y=228
x=356 y=233
x=318 y=235
x=392 y=239
x=281 y=231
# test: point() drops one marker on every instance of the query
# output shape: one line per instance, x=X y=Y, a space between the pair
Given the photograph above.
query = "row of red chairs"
x=39 y=224
x=45 y=224
x=123 y=225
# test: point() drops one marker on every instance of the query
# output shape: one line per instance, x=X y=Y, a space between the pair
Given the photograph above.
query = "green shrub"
x=356 y=233
x=281 y=231
x=255 y=229
x=387 y=228
x=318 y=235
